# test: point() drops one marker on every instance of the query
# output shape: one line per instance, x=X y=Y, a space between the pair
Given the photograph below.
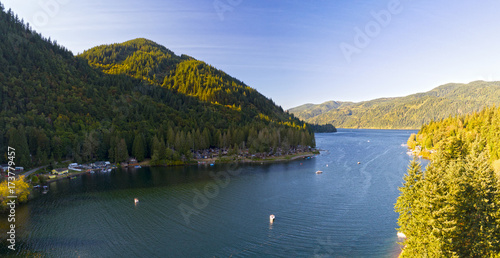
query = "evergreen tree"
x=18 y=141
x=121 y=153
x=452 y=209
x=138 y=148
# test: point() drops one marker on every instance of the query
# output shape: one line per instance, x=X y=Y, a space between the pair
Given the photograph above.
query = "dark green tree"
x=18 y=141
x=121 y=153
x=138 y=148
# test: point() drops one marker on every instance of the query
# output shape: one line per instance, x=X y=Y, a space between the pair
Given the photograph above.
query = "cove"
x=348 y=210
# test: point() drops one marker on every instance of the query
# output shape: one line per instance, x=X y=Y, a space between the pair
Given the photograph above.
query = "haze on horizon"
x=296 y=52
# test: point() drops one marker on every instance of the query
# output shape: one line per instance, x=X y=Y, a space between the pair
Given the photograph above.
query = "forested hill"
x=452 y=209
x=149 y=61
x=461 y=131
x=409 y=112
x=56 y=106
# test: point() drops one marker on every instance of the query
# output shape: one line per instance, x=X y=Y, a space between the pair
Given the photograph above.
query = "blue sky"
x=297 y=51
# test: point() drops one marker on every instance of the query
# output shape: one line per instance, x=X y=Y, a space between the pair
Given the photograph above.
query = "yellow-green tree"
x=21 y=190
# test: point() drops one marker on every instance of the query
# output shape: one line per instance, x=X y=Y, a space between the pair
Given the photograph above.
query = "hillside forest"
x=409 y=112
x=450 y=208
x=135 y=99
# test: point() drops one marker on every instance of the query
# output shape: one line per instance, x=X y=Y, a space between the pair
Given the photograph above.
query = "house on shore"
x=4 y=168
x=59 y=171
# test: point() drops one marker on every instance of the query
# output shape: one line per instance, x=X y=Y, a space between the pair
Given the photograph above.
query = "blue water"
x=348 y=210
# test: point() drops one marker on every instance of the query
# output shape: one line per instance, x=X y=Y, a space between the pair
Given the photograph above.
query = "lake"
x=223 y=210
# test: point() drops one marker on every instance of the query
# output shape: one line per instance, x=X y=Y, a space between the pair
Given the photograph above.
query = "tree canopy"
x=451 y=208
x=114 y=100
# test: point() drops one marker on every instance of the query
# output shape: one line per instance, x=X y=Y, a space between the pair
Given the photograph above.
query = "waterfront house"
x=132 y=162
x=4 y=167
x=60 y=171
x=100 y=164
x=75 y=167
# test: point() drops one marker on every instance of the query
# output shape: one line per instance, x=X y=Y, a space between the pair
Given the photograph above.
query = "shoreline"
x=67 y=176
x=376 y=128
x=231 y=160
x=224 y=160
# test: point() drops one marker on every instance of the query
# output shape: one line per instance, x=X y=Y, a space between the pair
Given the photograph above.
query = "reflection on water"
x=224 y=210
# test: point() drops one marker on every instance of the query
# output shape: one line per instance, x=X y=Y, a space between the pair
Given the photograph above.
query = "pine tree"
x=408 y=205
x=121 y=153
x=480 y=234
x=452 y=210
x=138 y=148
x=18 y=141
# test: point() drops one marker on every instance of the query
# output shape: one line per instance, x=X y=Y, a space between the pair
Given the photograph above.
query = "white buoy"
x=327 y=165
x=271 y=218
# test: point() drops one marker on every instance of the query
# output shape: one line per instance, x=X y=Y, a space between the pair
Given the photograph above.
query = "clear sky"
x=296 y=51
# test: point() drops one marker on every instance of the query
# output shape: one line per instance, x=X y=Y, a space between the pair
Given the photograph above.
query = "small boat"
x=109 y=169
x=271 y=218
x=319 y=172
x=136 y=200
x=401 y=235
x=92 y=172
x=137 y=166
x=359 y=162
x=73 y=177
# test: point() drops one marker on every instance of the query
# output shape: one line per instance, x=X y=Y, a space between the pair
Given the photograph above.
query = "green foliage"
x=459 y=132
x=121 y=152
x=327 y=128
x=451 y=209
x=18 y=141
x=34 y=179
x=138 y=148
x=146 y=60
x=409 y=112
x=55 y=106
x=457 y=205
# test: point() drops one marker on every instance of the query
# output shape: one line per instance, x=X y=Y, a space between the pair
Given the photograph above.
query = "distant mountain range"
x=410 y=112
